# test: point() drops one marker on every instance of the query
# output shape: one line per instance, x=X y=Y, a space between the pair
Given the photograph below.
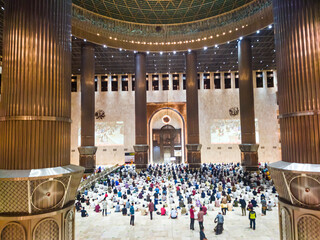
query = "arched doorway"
x=166 y=136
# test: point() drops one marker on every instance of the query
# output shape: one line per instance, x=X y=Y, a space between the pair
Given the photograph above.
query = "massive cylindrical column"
x=297 y=39
x=193 y=146
x=141 y=146
x=35 y=127
x=87 y=150
x=37 y=184
x=248 y=146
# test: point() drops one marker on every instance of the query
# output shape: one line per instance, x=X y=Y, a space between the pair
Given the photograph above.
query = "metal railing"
x=86 y=183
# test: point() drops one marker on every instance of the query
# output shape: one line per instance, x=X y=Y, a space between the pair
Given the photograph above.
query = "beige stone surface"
x=116 y=226
x=213 y=104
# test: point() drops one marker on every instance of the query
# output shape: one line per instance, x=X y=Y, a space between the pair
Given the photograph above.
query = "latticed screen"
x=160 y=11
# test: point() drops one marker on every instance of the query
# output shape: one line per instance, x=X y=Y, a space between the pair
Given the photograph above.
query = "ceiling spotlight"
x=216 y=45
x=105 y=46
x=270 y=26
x=258 y=31
x=85 y=40
x=228 y=42
x=148 y=52
x=205 y=48
x=134 y=51
x=240 y=38
x=161 y=53
x=120 y=49
x=174 y=52
x=189 y=50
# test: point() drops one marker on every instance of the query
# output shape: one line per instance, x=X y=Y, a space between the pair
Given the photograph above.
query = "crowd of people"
x=174 y=190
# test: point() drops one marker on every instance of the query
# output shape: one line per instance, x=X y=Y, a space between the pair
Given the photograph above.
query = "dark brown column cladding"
x=36 y=94
x=87 y=150
x=141 y=147
x=193 y=146
x=296 y=177
x=297 y=37
x=248 y=146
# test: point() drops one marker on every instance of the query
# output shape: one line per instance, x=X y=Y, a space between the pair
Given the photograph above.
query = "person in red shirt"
x=193 y=192
x=192 y=211
x=163 y=211
x=200 y=217
x=204 y=209
x=250 y=206
x=151 y=208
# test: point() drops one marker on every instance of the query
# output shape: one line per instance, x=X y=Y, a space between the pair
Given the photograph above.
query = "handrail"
x=86 y=183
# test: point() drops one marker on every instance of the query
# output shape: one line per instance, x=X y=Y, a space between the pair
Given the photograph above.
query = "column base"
x=194 y=155
x=298 y=223
x=249 y=157
x=37 y=227
x=33 y=201
x=88 y=158
x=141 y=156
x=299 y=206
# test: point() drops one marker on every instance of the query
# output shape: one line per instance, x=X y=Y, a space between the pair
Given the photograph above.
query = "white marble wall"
x=213 y=104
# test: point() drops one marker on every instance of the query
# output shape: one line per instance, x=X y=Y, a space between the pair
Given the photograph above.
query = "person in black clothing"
x=254 y=202
x=78 y=206
x=124 y=210
x=84 y=212
x=202 y=235
x=212 y=198
x=78 y=196
x=82 y=199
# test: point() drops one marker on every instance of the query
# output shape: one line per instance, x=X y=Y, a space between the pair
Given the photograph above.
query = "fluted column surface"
x=192 y=98
x=248 y=135
x=140 y=98
x=87 y=95
x=297 y=38
x=36 y=95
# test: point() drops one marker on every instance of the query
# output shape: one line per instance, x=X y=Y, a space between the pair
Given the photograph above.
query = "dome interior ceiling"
x=160 y=11
x=223 y=57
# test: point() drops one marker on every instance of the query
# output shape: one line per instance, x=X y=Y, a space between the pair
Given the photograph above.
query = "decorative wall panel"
x=47 y=229
x=13 y=231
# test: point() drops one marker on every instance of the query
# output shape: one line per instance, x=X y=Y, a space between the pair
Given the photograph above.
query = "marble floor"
x=116 y=226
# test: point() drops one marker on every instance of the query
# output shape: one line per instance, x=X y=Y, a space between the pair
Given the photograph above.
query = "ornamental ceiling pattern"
x=160 y=11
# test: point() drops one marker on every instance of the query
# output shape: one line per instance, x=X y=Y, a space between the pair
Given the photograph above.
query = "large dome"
x=160 y=11
x=167 y=25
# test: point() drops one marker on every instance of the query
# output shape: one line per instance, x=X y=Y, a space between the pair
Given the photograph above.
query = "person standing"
x=202 y=235
x=104 y=208
x=264 y=206
x=252 y=218
x=200 y=218
x=192 y=217
x=243 y=206
x=219 y=220
x=151 y=208
x=132 y=214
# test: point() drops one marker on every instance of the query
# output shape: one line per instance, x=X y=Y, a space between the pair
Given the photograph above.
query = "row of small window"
x=175 y=82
